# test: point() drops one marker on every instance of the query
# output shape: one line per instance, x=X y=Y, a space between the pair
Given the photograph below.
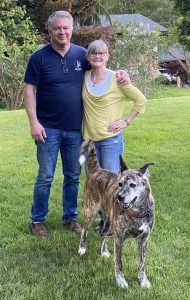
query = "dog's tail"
x=85 y=149
x=82 y=159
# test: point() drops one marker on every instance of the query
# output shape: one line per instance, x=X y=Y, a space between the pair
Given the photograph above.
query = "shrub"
x=12 y=68
x=83 y=36
x=18 y=40
x=137 y=51
x=162 y=80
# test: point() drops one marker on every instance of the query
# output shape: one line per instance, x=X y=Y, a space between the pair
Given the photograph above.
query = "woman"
x=104 y=101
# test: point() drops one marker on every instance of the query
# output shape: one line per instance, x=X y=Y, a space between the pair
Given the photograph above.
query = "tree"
x=184 y=22
x=39 y=10
x=18 y=39
x=161 y=11
x=84 y=35
x=171 y=42
x=121 y=6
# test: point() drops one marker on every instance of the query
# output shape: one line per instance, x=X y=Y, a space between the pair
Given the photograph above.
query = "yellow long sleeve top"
x=100 y=111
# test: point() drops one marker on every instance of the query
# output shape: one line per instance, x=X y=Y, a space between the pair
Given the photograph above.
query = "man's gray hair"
x=95 y=45
x=59 y=14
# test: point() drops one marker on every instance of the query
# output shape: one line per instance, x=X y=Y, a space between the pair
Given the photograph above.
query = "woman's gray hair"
x=59 y=14
x=95 y=45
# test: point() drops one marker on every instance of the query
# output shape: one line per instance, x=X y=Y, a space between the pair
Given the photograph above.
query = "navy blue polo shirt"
x=59 y=86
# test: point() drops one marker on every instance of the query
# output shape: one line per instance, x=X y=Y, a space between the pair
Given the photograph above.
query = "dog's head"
x=86 y=148
x=133 y=185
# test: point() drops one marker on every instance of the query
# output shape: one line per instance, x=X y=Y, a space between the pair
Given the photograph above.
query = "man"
x=52 y=97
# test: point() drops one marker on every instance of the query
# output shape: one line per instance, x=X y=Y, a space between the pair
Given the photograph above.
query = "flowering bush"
x=136 y=50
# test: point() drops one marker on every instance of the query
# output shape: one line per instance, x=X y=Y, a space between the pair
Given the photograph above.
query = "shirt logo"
x=77 y=65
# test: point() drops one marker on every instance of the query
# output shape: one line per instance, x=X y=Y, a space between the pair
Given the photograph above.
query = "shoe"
x=100 y=226
x=38 y=229
x=74 y=226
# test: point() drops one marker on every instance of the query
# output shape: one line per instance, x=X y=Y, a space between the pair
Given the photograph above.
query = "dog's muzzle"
x=126 y=205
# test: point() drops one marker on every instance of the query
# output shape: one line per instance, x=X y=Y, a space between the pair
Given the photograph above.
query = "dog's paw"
x=105 y=253
x=121 y=282
x=145 y=284
x=81 y=251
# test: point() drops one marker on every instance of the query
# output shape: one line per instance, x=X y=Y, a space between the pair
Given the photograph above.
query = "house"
x=125 y=19
x=168 y=60
x=174 y=53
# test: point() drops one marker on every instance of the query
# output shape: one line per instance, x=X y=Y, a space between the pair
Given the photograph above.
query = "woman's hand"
x=117 y=125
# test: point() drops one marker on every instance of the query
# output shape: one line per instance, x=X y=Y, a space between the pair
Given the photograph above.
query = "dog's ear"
x=145 y=166
x=123 y=166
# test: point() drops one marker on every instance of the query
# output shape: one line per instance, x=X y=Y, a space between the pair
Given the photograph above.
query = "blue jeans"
x=68 y=144
x=108 y=151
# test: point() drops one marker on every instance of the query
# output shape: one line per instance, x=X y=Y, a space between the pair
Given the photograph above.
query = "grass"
x=34 y=269
x=165 y=91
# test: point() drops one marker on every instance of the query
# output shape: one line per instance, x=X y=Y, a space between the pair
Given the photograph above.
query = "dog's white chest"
x=144 y=228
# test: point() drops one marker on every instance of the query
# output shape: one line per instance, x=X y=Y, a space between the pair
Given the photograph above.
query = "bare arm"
x=37 y=130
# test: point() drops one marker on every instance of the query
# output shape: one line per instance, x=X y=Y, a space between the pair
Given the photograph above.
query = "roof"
x=134 y=19
x=178 y=54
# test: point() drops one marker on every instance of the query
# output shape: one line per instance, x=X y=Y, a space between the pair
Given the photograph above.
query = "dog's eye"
x=120 y=184
x=132 y=185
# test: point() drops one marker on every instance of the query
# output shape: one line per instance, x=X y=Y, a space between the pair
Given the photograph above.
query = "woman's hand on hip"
x=117 y=125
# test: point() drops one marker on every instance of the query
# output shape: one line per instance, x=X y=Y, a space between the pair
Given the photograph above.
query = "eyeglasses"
x=65 y=68
x=101 y=54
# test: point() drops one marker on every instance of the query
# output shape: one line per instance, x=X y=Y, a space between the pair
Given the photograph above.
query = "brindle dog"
x=127 y=204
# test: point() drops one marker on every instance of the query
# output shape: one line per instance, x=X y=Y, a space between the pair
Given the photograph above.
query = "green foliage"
x=172 y=40
x=161 y=80
x=82 y=11
x=50 y=268
x=14 y=25
x=184 y=22
x=137 y=51
x=18 y=40
x=12 y=68
x=161 y=11
x=98 y=9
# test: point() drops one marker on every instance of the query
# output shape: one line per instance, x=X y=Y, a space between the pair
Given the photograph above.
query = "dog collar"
x=135 y=215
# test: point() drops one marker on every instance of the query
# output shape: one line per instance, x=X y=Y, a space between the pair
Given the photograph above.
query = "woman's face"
x=98 y=57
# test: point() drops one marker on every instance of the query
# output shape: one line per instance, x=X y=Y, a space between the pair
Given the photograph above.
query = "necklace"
x=99 y=80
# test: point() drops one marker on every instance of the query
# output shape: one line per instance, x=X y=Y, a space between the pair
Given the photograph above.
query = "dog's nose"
x=120 y=198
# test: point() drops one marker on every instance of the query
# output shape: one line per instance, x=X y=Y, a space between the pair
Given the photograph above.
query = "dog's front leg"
x=120 y=278
x=142 y=248
x=82 y=245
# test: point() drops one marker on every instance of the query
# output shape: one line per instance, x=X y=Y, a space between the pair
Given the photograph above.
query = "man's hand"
x=122 y=77
x=38 y=132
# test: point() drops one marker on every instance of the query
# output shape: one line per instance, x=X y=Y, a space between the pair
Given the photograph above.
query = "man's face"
x=60 y=32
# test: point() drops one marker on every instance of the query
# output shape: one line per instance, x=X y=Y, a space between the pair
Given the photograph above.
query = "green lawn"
x=38 y=269
x=169 y=91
